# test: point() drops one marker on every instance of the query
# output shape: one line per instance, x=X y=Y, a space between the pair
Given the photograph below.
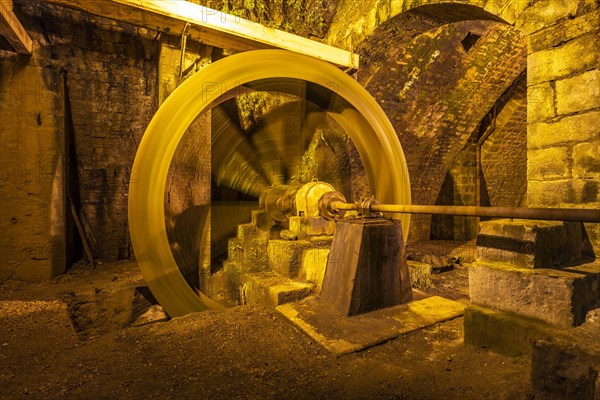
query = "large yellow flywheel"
x=355 y=111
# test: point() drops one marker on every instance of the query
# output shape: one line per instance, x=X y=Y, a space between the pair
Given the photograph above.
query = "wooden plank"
x=209 y=26
x=12 y=30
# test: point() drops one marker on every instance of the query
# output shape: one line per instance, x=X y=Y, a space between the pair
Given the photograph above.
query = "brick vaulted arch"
x=544 y=36
x=356 y=20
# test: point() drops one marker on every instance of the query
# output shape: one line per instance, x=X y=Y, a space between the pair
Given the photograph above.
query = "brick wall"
x=436 y=91
x=457 y=189
x=504 y=153
x=75 y=111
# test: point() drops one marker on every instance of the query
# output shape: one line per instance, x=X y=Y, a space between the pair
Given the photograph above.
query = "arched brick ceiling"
x=434 y=91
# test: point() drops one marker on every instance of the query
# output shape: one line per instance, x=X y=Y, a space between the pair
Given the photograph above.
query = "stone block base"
x=531 y=244
x=560 y=297
x=271 y=289
x=503 y=332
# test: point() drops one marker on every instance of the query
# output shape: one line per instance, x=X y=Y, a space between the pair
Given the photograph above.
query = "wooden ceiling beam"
x=209 y=26
x=12 y=30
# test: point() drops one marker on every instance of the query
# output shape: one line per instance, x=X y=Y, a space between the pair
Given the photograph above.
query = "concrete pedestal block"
x=366 y=269
x=532 y=244
x=561 y=297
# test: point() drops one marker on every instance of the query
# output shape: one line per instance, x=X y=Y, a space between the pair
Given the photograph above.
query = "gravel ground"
x=245 y=352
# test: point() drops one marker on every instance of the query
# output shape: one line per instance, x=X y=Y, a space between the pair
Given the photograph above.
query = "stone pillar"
x=367 y=269
x=32 y=151
x=563 y=100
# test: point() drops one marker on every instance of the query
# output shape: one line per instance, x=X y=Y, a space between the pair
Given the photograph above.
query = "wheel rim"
x=365 y=123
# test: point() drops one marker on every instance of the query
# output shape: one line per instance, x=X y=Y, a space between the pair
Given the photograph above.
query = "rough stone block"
x=565 y=31
x=271 y=289
x=568 y=366
x=530 y=243
x=314 y=264
x=586 y=160
x=578 y=93
x=576 y=128
x=420 y=274
x=540 y=102
x=579 y=192
x=560 y=297
x=285 y=256
x=540 y=14
x=557 y=62
x=366 y=269
x=251 y=247
x=548 y=163
x=503 y=332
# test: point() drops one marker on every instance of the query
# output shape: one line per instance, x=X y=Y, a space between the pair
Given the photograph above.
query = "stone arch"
x=353 y=24
x=562 y=69
x=434 y=112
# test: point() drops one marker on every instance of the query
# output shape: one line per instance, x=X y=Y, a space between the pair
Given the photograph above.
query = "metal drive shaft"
x=551 y=214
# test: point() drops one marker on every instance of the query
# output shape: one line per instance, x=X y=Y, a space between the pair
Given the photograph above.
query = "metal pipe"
x=550 y=214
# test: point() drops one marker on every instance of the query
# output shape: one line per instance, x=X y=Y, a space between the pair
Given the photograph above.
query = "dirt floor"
x=245 y=352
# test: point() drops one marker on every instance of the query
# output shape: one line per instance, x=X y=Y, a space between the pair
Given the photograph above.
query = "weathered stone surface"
x=546 y=164
x=250 y=247
x=420 y=274
x=576 y=128
x=530 y=243
x=567 y=30
x=579 y=93
x=504 y=332
x=573 y=192
x=507 y=146
x=539 y=14
x=96 y=312
x=558 y=62
x=366 y=269
x=33 y=207
x=560 y=297
x=342 y=334
x=285 y=256
x=271 y=289
x=314 y=264
x=540 y=102
x=586 y=160
x=568 y=366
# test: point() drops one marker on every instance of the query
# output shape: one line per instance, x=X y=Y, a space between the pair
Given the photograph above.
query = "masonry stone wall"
x=436 y=90
x=564 y=120
x=563 y=84
x=75 y=111
x=73 y=114
x=32 y=161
